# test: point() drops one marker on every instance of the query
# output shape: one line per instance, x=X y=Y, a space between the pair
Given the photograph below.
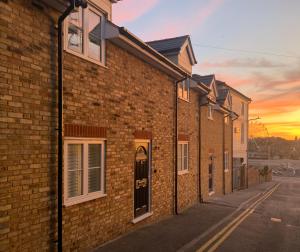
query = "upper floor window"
x=182 y=158
x=210 y=112
x=226 y=161
x=84 y=31
x=184 y=89
x=84 y=170
x=242 y=133
x=242 y=108
x=226 y=119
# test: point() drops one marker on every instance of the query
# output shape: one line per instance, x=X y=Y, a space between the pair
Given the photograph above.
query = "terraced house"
x=127 y=137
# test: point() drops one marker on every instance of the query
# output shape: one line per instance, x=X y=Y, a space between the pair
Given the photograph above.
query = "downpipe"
x=73 y=4
x=176 y=148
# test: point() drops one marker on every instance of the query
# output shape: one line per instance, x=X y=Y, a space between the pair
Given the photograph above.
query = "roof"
x=174 y=46
x=59 y=5
x=169 y=44
x=236 y=91
x=206 y=80
x=223 y=93
x=123 y=31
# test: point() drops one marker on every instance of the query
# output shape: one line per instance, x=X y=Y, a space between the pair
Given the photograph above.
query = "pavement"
x=189 y=230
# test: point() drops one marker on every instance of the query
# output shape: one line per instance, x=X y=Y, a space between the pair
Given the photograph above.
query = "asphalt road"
x=264 y=218
x=273 y=226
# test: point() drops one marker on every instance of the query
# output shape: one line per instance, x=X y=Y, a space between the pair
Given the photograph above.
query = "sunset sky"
x=253 y=45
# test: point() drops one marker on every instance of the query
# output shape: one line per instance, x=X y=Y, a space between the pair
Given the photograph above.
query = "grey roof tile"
x=207 y=79
x=168 y=45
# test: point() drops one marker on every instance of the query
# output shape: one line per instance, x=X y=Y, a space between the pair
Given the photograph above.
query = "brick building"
x=120 y=100
x=216 y=139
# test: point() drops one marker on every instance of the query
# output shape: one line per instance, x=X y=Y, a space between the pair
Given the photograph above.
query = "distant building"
x=240 y=106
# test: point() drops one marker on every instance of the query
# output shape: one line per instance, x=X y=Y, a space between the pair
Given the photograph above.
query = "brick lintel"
x=75 y=130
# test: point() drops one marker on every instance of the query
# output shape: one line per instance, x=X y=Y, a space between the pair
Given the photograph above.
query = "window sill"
x=183 y=99
x=226 y=170
x=79 y=55
x=85 y=198
x=211 y=193
x=210 y=118
x=142 y=217
x=183 y=172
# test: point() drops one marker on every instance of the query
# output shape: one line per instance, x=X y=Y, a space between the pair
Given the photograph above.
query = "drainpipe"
x=176 y=147
x=73 y=4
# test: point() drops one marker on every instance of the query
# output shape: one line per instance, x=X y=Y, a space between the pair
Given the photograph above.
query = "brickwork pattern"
x=188 y=128
x=228 y=147
x=127 y=96
x=211 y=143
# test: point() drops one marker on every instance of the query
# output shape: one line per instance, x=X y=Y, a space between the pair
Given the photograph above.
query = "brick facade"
x=125 y=101
x=228 y=148
x=188 y=130
x=211 y=144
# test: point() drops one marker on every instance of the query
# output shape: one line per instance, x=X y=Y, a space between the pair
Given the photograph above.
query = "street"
x=263 y=218
x=274 y=225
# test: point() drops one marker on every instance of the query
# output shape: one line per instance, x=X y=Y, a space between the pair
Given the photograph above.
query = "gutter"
x=126 y=40
x=73 y=4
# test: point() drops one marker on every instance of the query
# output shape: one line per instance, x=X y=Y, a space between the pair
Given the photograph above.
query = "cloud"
x=248 y=62
x=171 y=27
x=129 y=10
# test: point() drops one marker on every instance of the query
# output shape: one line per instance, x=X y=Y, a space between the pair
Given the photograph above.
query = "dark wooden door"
x=141 y=180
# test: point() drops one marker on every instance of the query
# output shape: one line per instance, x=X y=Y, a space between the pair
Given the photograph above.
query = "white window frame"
x=210 y=115
x=226 y=119
x=84 y=54
x=86 y=196
x=242 y=108
x=226 y=161
x=181 y=85
x=180 y=145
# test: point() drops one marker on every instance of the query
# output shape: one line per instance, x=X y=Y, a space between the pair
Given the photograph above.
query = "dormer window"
x=184 y=89
x=84 y=29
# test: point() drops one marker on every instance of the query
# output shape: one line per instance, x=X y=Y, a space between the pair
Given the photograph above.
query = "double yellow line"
x=213 y=243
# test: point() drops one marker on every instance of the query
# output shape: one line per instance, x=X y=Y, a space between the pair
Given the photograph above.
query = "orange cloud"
x=129 y=10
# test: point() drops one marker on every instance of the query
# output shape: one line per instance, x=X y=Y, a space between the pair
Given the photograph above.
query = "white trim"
x=185 y=83
x=142 y=140
x=210 y=115
x=86 y=196
x=142 y=217
x=183 y=172
x=84 y=55
x=211 y=193
x=226 y=170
